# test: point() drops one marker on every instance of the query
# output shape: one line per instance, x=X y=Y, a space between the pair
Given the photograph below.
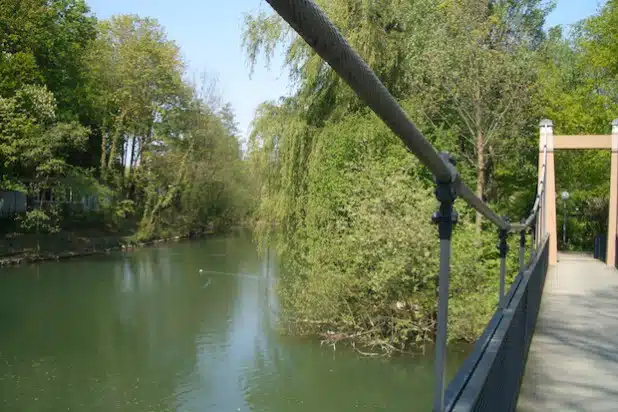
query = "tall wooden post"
x=610 y=257
x=549 y=208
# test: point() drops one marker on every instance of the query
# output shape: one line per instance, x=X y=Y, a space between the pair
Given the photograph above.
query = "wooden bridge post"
x=549 y=208
x=610 y=257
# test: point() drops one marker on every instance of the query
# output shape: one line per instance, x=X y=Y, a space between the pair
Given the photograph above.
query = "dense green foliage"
x=350 y=209
x=100 y=109
x=578 y=91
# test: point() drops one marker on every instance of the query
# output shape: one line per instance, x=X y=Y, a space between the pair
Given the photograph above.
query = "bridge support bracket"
x=445 y=218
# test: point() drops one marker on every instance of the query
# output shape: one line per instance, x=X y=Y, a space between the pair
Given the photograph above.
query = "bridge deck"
x=573 y=360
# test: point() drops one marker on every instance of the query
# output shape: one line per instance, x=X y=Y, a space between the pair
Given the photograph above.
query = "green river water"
x=147 y=331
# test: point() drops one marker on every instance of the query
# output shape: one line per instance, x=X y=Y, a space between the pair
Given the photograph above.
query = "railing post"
x=533 y=240
x=445 y=218
x=548 y=228
x=522 y=249
x=503 y=248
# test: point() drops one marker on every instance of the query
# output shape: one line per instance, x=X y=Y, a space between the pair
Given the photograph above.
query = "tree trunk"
x=103 y=151
x=112 y=152
x=480 y=175
x=146 y=141
x=134 y=154
x=150 y=212
x=131 y=154
x=116 y=142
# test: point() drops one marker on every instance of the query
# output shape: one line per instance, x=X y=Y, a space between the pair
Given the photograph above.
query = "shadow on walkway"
x=573 y=360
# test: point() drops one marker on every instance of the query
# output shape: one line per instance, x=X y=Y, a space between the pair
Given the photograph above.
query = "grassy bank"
x=19 y=248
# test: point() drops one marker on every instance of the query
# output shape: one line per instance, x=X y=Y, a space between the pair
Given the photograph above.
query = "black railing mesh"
x=600 y=247
x=489 y=380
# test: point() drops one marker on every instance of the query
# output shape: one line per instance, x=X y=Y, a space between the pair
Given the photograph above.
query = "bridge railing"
x=305 y=17
x=490 y=378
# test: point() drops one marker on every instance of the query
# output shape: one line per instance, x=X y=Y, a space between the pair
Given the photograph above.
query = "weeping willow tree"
x=344 y=202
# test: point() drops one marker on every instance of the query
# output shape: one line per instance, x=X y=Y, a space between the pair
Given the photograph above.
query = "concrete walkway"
x=573 y=360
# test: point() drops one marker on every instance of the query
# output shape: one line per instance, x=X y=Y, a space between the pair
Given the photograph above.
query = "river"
x=146 y=330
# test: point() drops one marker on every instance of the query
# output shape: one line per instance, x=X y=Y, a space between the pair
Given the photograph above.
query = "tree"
x=34 y=146
x=228 y=118
x=577 y=91
x=194 y=177
x=331 y=178
x=138 y=74
x=598 y=40
x=44 y=42
x=82 y=100
x=489 y=69
x=465 y=68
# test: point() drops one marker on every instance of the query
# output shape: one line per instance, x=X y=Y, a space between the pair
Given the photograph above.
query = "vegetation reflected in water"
x=146 y=330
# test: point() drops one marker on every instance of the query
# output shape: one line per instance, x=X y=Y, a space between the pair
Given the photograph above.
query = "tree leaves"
x=348 y=207
x=33 y=146
x=81 y=100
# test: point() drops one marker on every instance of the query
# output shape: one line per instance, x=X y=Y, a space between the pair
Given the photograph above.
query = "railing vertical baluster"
x=445 y=218
x=534 y=237
x=541 y=213
x=522 y=250
x=537 y=221
x=441 y=333
x=503 y=248
x=534 y=232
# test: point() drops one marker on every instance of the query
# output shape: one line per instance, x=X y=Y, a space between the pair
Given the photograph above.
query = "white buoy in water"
x=201 y=270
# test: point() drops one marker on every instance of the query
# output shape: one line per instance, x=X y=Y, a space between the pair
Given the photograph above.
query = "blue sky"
x=209 y=35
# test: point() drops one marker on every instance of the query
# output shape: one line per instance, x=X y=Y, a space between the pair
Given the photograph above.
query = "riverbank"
x=18 y=248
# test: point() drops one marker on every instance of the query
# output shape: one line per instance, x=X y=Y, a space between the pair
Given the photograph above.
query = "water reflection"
x=146 y=330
